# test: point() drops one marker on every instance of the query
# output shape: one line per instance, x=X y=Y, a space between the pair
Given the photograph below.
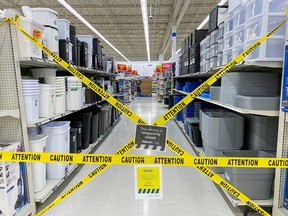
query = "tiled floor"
x=187 y=192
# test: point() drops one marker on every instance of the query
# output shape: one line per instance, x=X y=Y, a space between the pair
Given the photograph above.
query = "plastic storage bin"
x=52 y=40
x=43 y=72
x=261 y=132
x=47 y=100
x=239 y=35
x=252 y=84
x=64 y=29
x=239 y=16
x=58 y=141
x=37 y=143
x=213 y=50
x=78 y=126
x=222 y=130
x=86 y=129
x=228 y=40
x=215 y=93
x=45 y=16
x=233 y=5
x=193 y=131
x=94 y=128
x=214 y=37
x=228 y=24
x=219 y=59
x=227 y=56
x=220 y=46
x=257 y=102
x=254 y=183
x=28 y=49
x=237 y=50
x=221 y=30
x=213 y=62
x=64 y=50
x=73 y=140
x=89 y=40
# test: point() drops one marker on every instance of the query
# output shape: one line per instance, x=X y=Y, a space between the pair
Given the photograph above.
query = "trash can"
x=73 y=140
x=86 y=129
x=78 y=126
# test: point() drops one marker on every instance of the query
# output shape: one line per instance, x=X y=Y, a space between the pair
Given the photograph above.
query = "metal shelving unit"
x=236 y=109
x=242 y=66
x=52 y=185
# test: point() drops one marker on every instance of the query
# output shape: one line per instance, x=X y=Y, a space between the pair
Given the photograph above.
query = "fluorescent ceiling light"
x=1 y=11
x=145 y=24
x=68 y=7
x=222 y=2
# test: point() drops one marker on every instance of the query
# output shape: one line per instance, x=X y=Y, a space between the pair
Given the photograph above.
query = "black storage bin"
x=194 y=50
x=78 y=126
x=217 y=16
x=195 y=134
x=95 y=60
x=198 y=36
x=78 y=50
x=171 y=101
x=86 y=129
x=84 y=54
x=73 y=140
x=74 y=42
x=96 y=45
x=101 y=124
x=64 y=49
x=95 y=124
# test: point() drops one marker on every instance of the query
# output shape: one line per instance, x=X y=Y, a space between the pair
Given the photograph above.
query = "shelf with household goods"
x=242 y=66
x=57 y=116
x=233 y=108
x=52 y=185
x=34 y=62
x=234 y=202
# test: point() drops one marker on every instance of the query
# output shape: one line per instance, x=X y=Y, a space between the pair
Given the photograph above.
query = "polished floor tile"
x=187 y=192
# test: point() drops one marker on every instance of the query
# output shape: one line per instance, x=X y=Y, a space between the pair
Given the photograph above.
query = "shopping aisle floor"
x=185 y=190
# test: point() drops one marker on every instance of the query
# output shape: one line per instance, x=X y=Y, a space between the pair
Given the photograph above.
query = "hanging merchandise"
x=58 y=141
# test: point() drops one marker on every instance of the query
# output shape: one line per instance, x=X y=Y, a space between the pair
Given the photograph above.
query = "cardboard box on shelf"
x=12 y=187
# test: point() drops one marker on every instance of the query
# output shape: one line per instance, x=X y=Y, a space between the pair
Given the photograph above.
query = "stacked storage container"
x=261 y=17
x=239 y=31
x=221 y=130
x=65 y=45
x=89 y=40
x=228 y=39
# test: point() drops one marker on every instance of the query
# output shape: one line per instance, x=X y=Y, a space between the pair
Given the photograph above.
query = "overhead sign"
x=167 y=66
x=151 y=137
x=148 y=182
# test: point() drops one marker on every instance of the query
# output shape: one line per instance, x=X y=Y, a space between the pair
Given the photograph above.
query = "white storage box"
x=52 y=40
x=221 y=30
x=219 y=59
x=12 y=182
x=228 y=40
x=220 y=46
x=234 y=4
x=213 y=50
x=270 y=50
x=239 y=35
x=45 y=16
x=37 y=143
x=203 y=56
x=228 y=24
x=264 y=7
x=58 y=141
x=239 y=16
x=28 y=49
x=89 y=40
x=237 y=50
x=47 y=100
x=203 y=44
x=227 y=56
x=214 y=37
x=213 y=62
x=64 y=29
x=208 y=38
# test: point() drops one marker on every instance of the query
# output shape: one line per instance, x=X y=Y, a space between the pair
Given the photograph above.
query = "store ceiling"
x=120 y=21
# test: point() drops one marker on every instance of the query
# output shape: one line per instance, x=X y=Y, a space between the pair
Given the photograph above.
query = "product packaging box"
x=146 y=86
x=12 y=188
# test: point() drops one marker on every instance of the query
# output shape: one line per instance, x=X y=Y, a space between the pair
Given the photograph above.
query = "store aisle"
x=186 y=191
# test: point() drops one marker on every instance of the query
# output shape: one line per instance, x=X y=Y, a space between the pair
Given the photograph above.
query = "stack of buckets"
x=60 y=93
x=31 y=93
x=74 y=94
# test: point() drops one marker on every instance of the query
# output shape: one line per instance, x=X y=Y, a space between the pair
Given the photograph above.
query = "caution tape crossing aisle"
x=162 y=120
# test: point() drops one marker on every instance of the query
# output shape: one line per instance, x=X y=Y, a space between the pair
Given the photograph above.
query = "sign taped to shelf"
x=243 y=162
x=214 y=78
x=97 y=89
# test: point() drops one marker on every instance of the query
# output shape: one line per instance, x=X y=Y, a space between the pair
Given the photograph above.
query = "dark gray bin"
x=261 y=132
x=255 y=183
x=193 y=131
x=215 y=93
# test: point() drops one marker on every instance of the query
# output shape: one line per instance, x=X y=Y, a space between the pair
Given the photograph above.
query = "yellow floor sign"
x=161 y=121
x=148 y=182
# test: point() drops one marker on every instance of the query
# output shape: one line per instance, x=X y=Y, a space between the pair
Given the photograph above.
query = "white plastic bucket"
x=60 y=103
x=28 y=49
x=37 y=143
x=58 y=141
x=43 y=72
x=52 y=38
x=47 y=100
x=74 y=98
x=45 y=16
x=31 y=103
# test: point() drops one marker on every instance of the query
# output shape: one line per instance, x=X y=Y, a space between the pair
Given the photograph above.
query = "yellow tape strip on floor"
x=209 y=82
x=219 y=74
x=105 y=95
x=242 y=162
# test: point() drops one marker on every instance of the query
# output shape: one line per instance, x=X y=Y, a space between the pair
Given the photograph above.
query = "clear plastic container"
x=270 y=50
x=261 y=25
x=88 y=39
x=234 y=4
x=237 y=50
x=227 y=56
x=228 y=40
x=239 y=35
x=203 y=56
x=219 y=59
x=213 y=62
x=208 y=40
x=213 y=50
x=64 y=29
x=221 y=30
x=214 y=37
x=264 y=7
x=203 y=44
x=208 y=54
x=228 y=24
x=239 y=16
x=220 y=46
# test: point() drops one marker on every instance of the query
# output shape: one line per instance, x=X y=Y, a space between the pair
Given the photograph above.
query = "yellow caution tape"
x=109 y=98
x=204 y=86
x=119 y=159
